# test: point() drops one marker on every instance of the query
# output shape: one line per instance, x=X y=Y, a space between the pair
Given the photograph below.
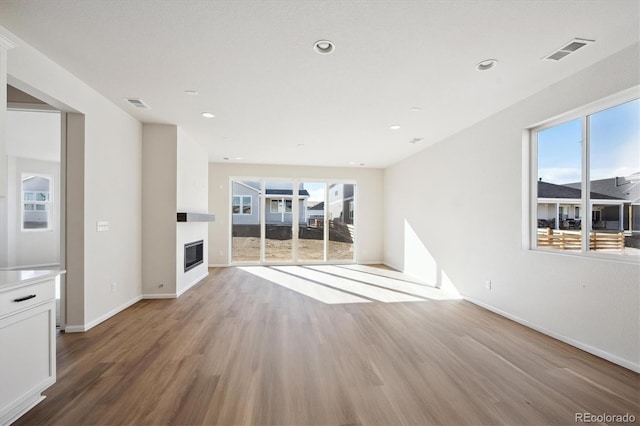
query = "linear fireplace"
x=193 y=255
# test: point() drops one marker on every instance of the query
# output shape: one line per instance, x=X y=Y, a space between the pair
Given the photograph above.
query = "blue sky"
x=615 y=146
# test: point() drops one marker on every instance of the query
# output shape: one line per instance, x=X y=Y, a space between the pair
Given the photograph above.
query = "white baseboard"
x=88 y=326
x=160 y=296
x=218 y=265
x=575 y=343
x=38 y=266
x=392 y=266
x=194 y=282
x=372 y=262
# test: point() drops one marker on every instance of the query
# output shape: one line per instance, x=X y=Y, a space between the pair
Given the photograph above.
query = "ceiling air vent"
x=567 y=49
x=137 y=103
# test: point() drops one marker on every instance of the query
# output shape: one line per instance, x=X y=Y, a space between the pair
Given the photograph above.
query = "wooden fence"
x=567 y=240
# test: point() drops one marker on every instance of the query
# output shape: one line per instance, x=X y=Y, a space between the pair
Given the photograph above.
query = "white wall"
x=174 y=180
x=112 y=183
x=454 y=212
x=192 y=197
x=370 y=196
x=159 y=170
x=32 y=146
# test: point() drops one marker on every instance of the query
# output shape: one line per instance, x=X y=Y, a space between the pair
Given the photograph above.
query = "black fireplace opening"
x=193 y=254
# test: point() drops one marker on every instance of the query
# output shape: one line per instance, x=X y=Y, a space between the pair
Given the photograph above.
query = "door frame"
x=295 y=181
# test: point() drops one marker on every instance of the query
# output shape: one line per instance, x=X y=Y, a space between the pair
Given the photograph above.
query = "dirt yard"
x=248 y=249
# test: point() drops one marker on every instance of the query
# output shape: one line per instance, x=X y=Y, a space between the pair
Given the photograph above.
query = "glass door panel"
x=341 y=213
x=278 y=220
x=245 y=221
x=311 y=229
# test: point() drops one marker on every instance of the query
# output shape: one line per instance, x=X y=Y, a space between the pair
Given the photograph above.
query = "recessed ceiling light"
x=323 y=47
x=208 y=115
x=487 y=64
x=300 y=145
x=415 y=140
x=226 y=158
x=353 y=163
x=191 y=92
x=237 y=158
x=394 y=127
x=416 y=109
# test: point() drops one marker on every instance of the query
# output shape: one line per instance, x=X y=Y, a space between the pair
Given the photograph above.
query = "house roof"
x=319 y=206
x=302 y=192
x=616 y=187
x=551 y=190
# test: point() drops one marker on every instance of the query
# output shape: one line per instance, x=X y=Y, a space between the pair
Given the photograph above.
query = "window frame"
x=47 y=203
x=284 y=205
x=241 y=205
x=530 y=137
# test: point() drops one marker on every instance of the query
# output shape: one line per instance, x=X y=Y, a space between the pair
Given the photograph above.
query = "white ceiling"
x=254 y=67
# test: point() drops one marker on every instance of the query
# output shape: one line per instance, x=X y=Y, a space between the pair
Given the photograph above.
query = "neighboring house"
x=278 y=204
x=341 y=198
x=315 y=215
x=615 y=204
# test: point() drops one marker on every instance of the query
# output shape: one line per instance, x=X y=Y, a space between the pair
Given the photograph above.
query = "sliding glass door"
x=245 y=221
x=292 y=221
x=341 y=212
x=278 y=221
x=311 y=229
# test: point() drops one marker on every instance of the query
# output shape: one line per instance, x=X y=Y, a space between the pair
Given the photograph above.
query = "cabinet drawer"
x=25 y=297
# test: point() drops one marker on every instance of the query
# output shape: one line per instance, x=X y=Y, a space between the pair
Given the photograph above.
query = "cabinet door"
x=27 y=359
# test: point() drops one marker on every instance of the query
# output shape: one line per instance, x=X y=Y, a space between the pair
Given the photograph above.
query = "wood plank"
x=239 y=349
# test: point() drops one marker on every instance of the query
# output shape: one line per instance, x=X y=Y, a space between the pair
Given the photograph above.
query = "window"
x=589 y=162
x=36 y=202
x=276 y=206
x=241 y=204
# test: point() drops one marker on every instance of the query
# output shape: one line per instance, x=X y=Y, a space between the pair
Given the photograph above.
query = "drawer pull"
x=22 y=299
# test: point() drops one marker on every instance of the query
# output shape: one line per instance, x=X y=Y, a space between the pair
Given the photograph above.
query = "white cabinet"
x=27 y=340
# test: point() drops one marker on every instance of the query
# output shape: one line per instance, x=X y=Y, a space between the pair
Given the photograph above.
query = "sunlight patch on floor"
x=308 y=288
x=345 y=284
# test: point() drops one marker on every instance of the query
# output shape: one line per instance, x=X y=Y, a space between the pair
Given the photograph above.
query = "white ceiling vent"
x=137 y=103
x=567 y=49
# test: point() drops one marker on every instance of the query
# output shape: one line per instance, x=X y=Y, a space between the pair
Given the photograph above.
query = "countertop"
x=17 y=278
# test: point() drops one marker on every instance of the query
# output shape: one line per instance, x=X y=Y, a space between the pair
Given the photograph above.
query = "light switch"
x=102 y=226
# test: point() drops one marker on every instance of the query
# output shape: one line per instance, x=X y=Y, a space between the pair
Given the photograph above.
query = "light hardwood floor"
x=238 y=349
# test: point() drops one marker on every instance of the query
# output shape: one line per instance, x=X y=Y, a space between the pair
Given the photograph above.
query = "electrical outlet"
x=487 y=284
x=114 y=287
x=102 y=226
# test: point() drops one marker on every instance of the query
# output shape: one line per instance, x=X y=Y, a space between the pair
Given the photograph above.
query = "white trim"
x=40 y=266
x=88 y=326
x=29 y=107
x=575 y=343
x=160 y=296
x=193 y=283
x=625 y=96
x=586 y=203
x=218 y=265
x=6 y=43
x=393 y=266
